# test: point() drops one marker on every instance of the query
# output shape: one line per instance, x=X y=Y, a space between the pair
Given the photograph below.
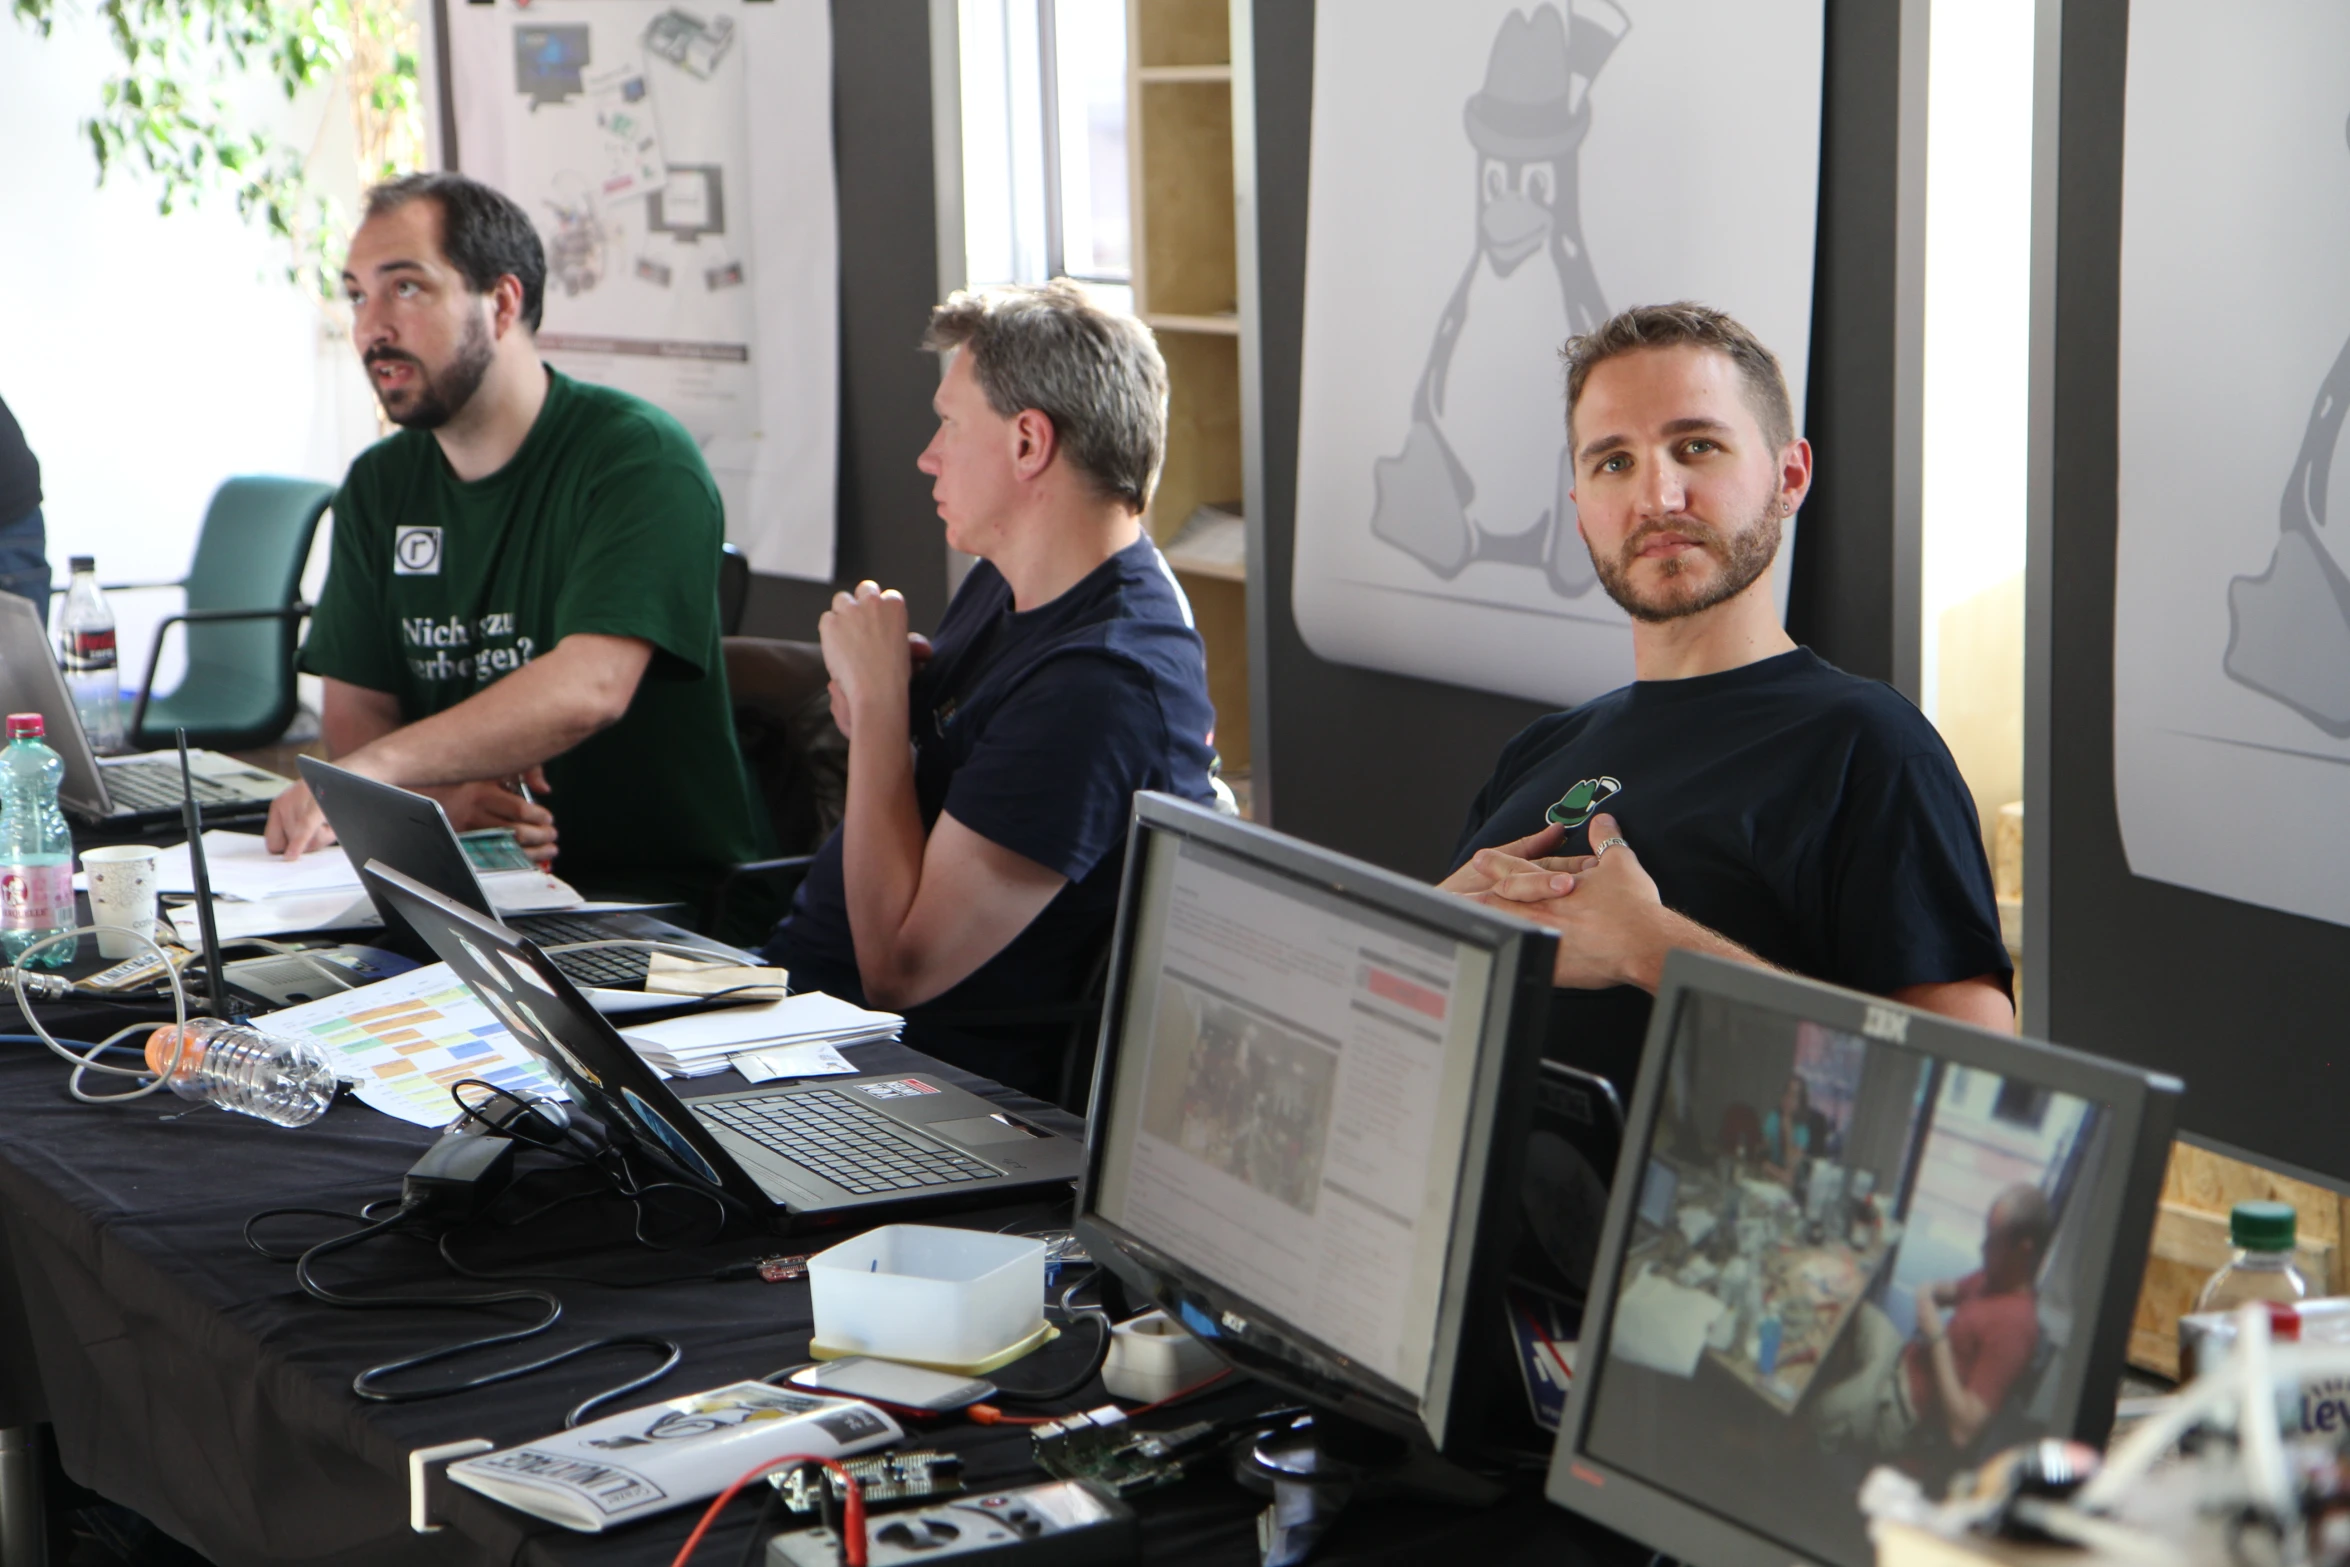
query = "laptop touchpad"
x=979 y=1129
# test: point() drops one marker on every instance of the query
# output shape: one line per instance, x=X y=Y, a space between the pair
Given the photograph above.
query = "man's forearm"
x=540 y=711
x=881 y=840
x=1671 y=932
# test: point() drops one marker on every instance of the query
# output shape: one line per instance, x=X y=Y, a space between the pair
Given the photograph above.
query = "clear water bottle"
x=2262 y=1268
x=36 y=851
x=288 y=1082
x=85 y=651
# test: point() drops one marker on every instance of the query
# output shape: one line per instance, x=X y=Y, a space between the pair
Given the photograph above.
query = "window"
x=1044 y=144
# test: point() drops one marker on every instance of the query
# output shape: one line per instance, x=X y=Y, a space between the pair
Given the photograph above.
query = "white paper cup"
x=122 y=896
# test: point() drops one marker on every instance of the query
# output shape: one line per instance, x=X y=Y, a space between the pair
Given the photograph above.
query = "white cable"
x=2265 y=1475
x=90 y=1062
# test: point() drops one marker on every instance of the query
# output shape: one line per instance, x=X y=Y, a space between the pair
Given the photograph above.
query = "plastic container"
x=85 y=651
x=2262 y=1268
x=287 y=1082
x=36 y=850
x=954 y=1300
x=1152 y=1357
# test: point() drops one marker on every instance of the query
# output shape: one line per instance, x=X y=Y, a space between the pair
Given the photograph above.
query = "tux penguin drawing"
x=2289 y=628
x=1485 y=470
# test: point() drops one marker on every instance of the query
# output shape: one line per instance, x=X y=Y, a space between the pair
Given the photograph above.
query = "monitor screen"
x=1290 y=1100
x=1859 y=1239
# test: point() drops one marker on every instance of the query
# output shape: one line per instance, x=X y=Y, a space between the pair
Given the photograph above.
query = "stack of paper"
x=240 y=866
x=795 y=1037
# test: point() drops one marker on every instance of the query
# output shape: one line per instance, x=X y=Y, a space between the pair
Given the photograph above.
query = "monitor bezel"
x=2116 y=1232
x=1501 y=1105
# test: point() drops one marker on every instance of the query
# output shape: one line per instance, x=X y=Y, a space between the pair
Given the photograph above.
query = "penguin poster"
x=1489 y=178
x=2231 y=643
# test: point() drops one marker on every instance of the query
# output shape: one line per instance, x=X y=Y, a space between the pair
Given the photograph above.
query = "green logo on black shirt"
x=1576 y=806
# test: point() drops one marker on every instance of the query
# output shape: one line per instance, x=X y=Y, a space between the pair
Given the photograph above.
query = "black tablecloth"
x=190 y=1379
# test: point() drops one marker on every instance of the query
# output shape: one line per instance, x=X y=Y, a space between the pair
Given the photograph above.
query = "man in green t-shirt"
x=521 y=610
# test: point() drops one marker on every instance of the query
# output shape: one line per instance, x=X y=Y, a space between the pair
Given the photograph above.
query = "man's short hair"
x=2025 y=1209
x=1671 y=326
x=1096 y=375
x=484 y=233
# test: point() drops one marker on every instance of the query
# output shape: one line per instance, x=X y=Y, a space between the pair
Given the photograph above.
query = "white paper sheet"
x=780 y=1061
x=1662 y=1326
x=240 y=865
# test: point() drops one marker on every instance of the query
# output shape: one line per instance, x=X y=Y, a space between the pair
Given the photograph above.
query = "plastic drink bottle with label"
x=85 y=651
x=2262 y=1268
x=288 y=1082
x=36 y=851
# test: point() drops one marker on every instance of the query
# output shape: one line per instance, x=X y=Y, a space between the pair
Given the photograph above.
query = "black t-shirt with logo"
x=1809 y=815
x=1034 y=729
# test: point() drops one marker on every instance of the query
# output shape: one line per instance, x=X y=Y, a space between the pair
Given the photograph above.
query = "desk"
x=189 y=1379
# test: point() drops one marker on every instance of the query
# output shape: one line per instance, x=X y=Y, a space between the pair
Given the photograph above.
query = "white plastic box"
x=954 y=1299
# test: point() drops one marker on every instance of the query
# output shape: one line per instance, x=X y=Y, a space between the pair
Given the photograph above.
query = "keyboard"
x=613 y=968
x=139 y=786
x=857 y=1149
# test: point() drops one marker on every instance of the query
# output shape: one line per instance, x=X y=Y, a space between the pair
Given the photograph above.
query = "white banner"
x=1489 y=178
x=677 y=160
x=2231 y=631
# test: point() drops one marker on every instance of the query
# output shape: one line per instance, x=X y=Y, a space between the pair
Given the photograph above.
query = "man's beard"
x=1742 y=556
x=436 y=399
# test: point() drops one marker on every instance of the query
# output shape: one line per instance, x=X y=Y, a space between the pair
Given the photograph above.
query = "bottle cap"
x=159 y=1050
x=81 y=563
x=20 y=725
x=2261 y=1226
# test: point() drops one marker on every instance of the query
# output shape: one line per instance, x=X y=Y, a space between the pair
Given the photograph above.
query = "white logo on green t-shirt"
x=416 y=552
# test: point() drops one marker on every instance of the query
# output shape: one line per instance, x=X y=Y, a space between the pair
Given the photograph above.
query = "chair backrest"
x=255 y=542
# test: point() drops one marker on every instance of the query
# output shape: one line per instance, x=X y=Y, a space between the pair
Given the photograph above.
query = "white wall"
x=149 y=358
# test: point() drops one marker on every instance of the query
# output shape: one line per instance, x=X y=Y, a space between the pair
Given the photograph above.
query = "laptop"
x=132 y=792
x=840 y=1146
x=410 y=831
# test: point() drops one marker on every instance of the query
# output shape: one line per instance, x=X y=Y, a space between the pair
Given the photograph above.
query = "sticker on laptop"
x=895 y=1088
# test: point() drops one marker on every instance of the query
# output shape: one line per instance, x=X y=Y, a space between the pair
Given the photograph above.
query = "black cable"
x=1094 y=1362
x=767 y=1520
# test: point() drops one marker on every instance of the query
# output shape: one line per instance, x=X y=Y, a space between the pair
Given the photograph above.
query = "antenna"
x=215 y=981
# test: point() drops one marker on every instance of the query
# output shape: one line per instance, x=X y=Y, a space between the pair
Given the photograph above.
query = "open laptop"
x=411 y=833
x=133 y=791
x=834 y=1146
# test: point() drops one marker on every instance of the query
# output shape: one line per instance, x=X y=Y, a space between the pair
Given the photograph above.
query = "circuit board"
x=1099 y=1446
x=884 y=1479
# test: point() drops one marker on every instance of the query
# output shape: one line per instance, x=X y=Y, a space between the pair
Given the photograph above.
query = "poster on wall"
x=1491 y=177
x=677 y=160
x=2231 y=640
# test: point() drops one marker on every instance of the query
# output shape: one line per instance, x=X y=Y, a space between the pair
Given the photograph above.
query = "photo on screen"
x=1846 y=1253
x=1252 y=1098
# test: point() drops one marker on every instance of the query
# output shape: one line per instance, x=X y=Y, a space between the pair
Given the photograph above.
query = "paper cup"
x=122 y=896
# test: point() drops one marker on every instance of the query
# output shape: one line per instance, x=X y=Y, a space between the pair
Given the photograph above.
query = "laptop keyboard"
x=142 y=786
x=614 y=968
x=856 y=1148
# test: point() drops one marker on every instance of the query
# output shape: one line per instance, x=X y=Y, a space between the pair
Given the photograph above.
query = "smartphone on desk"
x=888 y=1382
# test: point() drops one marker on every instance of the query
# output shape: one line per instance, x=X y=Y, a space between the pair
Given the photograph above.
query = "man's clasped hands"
x=1613 y=927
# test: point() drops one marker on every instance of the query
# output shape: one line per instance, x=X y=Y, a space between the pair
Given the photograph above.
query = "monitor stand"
x=1319 y=1463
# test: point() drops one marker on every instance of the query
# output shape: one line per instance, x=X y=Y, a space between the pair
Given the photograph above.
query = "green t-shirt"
x=606 y=520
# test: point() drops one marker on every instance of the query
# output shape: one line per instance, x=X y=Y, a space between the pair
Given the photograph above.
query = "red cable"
x=852 y=1513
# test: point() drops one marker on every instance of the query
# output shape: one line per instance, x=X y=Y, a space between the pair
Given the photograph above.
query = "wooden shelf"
x=1168 y=33
x=1152 y=74
x=1216 y=325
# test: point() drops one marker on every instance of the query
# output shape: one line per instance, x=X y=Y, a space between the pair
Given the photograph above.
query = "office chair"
x=244 y=612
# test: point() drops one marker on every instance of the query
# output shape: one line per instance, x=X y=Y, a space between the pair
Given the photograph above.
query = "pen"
x=522 y=787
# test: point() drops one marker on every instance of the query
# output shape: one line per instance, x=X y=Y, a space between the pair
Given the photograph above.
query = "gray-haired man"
x=977 y=870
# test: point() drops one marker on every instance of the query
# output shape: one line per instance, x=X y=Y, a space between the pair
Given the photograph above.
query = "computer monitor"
x=1310 y=1108
x=1846 y=1233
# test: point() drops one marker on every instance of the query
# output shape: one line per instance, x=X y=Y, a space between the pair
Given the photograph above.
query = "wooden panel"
x=1220 y=608
x=1203 y=430
x=1185 y=152
x=2191 y=1241
x=1181 y=32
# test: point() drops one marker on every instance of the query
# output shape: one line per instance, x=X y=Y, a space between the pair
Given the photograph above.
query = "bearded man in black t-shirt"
x=1785 y=813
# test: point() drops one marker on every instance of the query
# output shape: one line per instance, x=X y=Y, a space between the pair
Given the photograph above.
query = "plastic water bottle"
x=85 y=650
x=36 y=851
x=288 y=1082
x=2262 y=1268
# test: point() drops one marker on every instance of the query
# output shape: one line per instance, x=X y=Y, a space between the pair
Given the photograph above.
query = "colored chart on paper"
x=403 y=1041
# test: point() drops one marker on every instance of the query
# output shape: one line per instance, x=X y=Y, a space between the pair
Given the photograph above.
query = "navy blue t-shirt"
x=1811 y=816
x=1035 y=729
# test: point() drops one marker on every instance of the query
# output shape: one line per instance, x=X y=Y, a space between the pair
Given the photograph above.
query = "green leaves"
x=164 y=112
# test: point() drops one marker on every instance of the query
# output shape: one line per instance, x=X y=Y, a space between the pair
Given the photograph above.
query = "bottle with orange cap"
x=288 y=1082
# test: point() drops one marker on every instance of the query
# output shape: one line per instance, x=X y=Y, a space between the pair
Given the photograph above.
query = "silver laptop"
x=835 y=1145
x=131 y=791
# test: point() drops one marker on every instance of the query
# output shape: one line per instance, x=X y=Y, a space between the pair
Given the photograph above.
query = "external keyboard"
x=156 y=787
x=614 y=968
x=857 y=1149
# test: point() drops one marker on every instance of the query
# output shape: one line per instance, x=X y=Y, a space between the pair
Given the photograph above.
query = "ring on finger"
x=1606 y=844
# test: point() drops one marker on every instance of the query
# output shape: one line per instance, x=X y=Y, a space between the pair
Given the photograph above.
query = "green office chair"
x=244 y=613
